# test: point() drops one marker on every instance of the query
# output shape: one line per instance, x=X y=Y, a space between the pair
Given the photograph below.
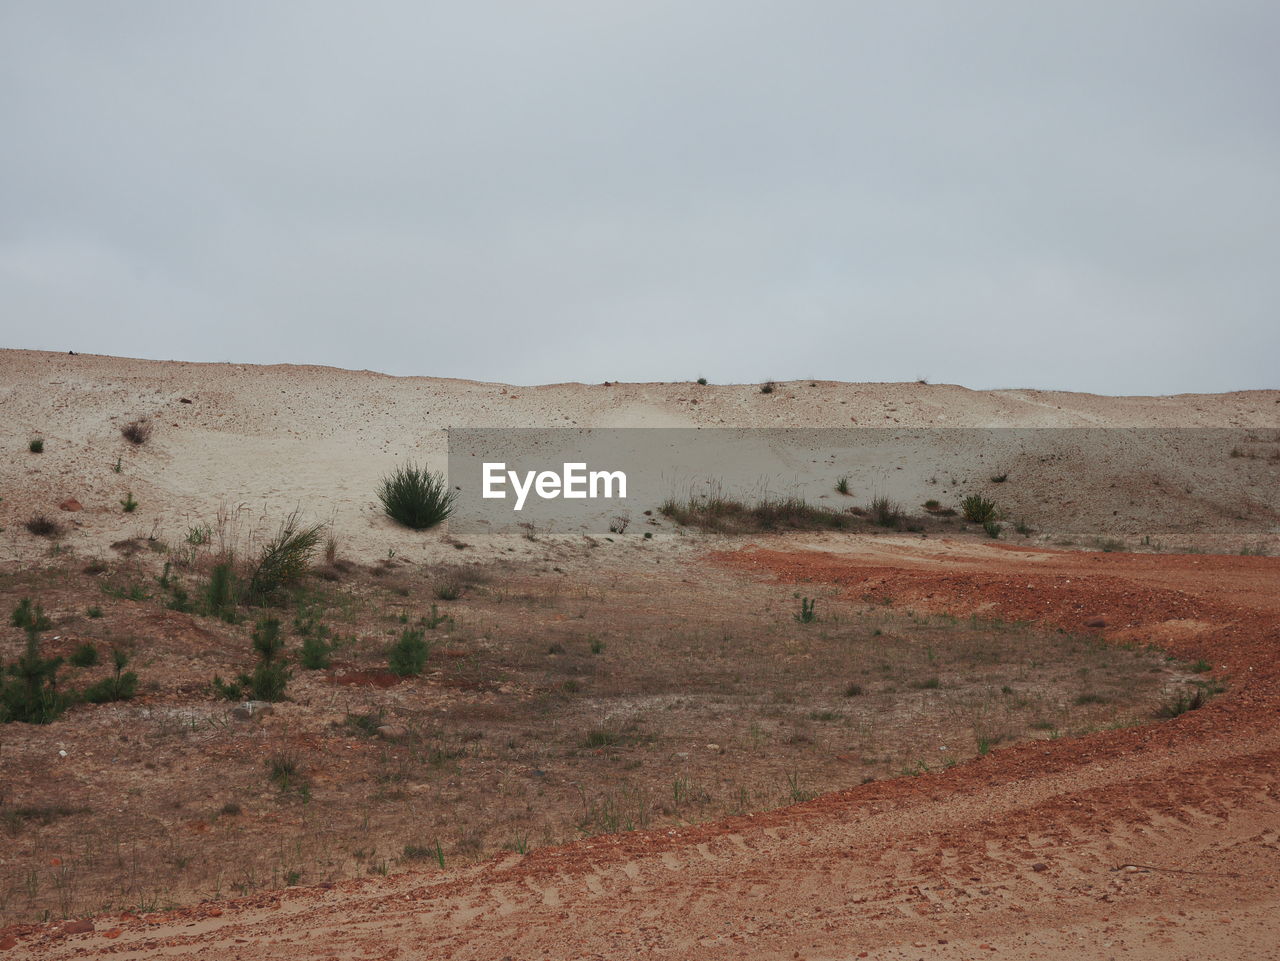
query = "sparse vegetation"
x=842 y=486
x=726 y=515
x=408 y=656
x=806 y=615
x=978 y=509
x=702 y=381
x=137 y=432
x=284 y=770
x=36 y=445
x=30 y=694
x=128 y=504
x=316 y=652
x=885 y=512
x=221 y=592
x=416 y=497
x=283 y=559
x=86 y=655
x=1190 y=698
x=120 y=686
x=270 y=676
x=42 y=526
x=993 y=527
x=768 y=387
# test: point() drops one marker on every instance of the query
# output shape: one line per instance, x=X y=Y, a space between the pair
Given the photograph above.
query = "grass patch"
x=36 y=445
x=885 y=512
x=729 y=516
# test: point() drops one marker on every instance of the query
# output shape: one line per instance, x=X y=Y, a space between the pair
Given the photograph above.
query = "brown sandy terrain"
x=1158 y=841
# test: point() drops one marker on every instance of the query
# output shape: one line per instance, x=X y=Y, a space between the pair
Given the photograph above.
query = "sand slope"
x=261 y=441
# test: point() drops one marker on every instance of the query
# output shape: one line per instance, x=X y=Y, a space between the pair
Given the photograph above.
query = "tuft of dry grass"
x=137 y=432
x=41 y=525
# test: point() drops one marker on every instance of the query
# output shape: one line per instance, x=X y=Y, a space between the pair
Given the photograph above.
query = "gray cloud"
x=1072 y=195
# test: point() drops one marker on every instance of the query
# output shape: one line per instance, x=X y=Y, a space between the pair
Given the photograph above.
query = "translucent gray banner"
x=1081 y=481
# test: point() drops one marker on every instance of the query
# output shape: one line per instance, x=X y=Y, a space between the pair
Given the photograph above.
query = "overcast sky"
x=1080 y=195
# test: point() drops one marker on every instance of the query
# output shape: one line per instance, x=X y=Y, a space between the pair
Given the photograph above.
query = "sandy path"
x=1159 y=842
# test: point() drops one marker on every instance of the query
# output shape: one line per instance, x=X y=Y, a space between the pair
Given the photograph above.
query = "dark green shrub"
x=266 y=638
x=119 y=687
x=86 y=655
x=220 y=594
x=315 y=652
x=842 y=486
x=269 y=680
x=30 y=694
x=416 y=497
x=36 y=445
x=229 y=690
x=408 y=656
x=992 y=527
x=28 y=616
x=702 y=381
x=768 y=387
x=271 y=675
x=129 y=505
x=806 y=615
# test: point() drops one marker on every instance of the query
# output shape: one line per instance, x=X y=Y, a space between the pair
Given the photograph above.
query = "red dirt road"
x=1156 y=842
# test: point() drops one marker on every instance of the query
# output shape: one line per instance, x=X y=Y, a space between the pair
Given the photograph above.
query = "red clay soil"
x=1153 y=842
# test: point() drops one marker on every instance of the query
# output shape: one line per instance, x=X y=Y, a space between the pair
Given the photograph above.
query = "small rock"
x=251 y=709
x=1039 y=866
x=83 y=926
x=1096 y=622
x=184 y=400
x=70 y=504
x=392 y=732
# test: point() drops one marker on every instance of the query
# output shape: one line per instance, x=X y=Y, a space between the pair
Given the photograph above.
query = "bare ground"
x=1157 y=841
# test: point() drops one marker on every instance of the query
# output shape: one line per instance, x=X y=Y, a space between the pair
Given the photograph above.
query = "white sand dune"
x=263 y=440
